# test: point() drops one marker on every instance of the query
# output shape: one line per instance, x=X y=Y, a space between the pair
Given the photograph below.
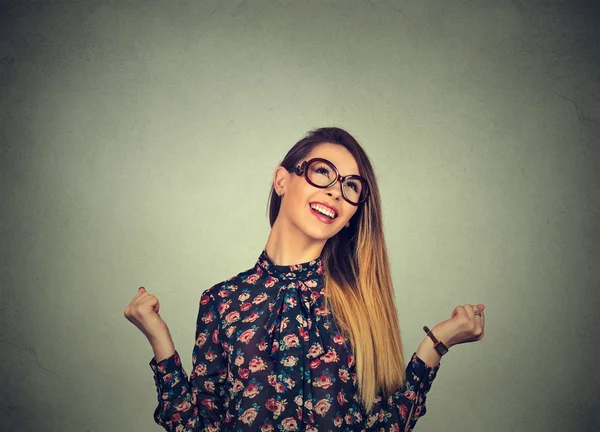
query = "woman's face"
x=302 y=204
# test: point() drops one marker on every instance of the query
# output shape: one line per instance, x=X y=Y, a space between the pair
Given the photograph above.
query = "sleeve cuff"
x=421 y=372
x=167 y=372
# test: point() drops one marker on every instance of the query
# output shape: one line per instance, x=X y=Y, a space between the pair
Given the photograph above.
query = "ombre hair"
x=358 y=283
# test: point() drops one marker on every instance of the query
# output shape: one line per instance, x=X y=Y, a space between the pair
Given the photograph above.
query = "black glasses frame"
x=302 y=171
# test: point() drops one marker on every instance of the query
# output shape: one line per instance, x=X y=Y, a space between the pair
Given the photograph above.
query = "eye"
x=353 y=185
x=322 y=170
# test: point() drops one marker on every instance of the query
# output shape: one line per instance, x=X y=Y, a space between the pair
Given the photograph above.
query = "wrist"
x=442 y=336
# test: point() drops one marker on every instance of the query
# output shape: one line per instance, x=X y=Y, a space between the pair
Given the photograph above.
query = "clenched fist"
x=466 y=324
x=142 y=311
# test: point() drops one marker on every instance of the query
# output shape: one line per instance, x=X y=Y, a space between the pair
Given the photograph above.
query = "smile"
x=323 y=213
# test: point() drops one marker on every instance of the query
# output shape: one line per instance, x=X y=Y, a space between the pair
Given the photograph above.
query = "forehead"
x=336 y=154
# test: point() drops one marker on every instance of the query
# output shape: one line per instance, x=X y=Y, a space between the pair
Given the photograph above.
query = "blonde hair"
x=358 y=281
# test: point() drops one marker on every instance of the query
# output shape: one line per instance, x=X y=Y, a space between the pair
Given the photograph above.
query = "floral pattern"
x=269 y=357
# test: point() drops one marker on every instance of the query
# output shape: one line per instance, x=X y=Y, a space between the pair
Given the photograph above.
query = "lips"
x=322 y=217
x=327 y=206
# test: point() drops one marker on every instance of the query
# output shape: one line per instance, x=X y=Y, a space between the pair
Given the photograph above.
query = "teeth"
x=323 y=209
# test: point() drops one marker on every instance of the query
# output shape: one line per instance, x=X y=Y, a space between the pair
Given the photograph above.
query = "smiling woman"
x=308 y=338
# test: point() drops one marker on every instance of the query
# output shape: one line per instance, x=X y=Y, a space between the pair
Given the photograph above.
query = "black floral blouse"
x=268 y=356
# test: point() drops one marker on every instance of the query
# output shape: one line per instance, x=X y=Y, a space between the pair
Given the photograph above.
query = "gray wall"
x=138 y=140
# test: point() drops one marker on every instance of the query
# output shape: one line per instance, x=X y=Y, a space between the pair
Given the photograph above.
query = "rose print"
x=208 y=404
x=248 y=416
x=311 y=283
x=315 y=350
x=344 y=375
x=183 y=406
x=257 y=364
x=237 y=386
x=323 y=382
x=246 y=335
x=230 y=331
x=244 y=373
x=279 y=387
x=289 y=382
x=223 y=307
x=337 y=421
x=223 y=293
x=251 y=279
x=252 y=317
x=277 y=407
x=267 y=427
x=204 y=299
x=290 y=361
x=239 y=360
x=339 y=339
x=209 y=386
x=210 y=356
x=207 y=318
x=341 y=398
x=315 y=363
x=200 y=369
x=232 y=316
x=289 y=424
x=331 y=356
x=243 y=297
x=322 y=406
x=270 y=282
x=201 y=340
x=410 y=395
x=245 y=306
x=260 y=298
x=291 y=340
x=251 y=391
x=321 y=311
x=350 y=360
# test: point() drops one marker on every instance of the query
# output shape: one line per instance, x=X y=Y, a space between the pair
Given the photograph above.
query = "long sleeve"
x=195 y=404
x=403 y=408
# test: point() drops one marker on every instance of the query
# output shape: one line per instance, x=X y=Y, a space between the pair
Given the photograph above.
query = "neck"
x=287 y=245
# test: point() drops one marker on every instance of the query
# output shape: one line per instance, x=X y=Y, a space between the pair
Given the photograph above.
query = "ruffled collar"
x=302 y=271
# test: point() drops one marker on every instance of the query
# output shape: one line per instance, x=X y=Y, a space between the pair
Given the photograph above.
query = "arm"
x=404 y=407
x=192 y=405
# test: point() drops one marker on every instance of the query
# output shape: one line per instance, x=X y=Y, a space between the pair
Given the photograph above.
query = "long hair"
x=358 y=283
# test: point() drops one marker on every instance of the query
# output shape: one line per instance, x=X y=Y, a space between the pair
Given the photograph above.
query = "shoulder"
x=224 y=290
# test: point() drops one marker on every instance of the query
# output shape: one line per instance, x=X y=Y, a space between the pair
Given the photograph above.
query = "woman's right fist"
x=142 y=311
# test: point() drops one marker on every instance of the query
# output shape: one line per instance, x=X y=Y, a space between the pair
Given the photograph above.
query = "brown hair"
x=358 y=280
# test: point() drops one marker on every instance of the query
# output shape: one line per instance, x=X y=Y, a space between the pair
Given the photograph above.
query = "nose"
x=335 y=191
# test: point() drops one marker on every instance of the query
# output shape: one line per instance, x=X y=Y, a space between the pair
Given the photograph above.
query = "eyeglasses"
x=323 y=174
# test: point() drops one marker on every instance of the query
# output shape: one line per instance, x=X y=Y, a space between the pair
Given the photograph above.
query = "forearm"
x=427 y=352
x=162 y=345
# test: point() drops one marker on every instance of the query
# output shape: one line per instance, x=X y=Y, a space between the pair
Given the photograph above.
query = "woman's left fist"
x=466 y=324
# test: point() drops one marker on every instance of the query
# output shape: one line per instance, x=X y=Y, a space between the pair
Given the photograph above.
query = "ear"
x=280 y=179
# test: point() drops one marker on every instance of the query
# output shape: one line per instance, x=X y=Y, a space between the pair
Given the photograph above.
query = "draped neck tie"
x=298 y=288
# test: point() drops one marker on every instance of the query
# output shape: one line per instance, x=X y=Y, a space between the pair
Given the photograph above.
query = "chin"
x=321 y=234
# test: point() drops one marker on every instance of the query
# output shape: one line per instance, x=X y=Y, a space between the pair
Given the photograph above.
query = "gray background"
x=138 y=140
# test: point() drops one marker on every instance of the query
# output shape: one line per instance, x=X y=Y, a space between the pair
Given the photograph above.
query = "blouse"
x=268 y=356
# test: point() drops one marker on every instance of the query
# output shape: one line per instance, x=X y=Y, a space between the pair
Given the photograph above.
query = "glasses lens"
x=355 y=189
x=321 y=173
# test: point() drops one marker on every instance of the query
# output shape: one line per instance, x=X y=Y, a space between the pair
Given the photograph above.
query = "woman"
x=308 y=338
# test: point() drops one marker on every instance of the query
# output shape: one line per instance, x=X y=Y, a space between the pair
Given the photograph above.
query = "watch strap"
x=437 y=344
